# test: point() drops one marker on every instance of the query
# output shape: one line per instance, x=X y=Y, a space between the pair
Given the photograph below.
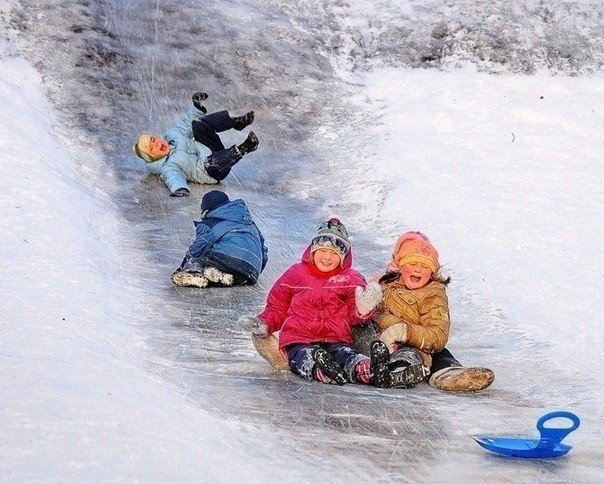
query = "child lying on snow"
x=228 y=249
x=192 y=150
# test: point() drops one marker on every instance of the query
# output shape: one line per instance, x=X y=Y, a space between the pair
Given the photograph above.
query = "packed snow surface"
x=478 y=123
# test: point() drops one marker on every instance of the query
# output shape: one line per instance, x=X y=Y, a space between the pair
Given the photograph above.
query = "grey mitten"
x=368 y=298
x=254 y=325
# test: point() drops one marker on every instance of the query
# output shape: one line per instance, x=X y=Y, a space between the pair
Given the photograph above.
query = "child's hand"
x=181 y=192
x=397 y=333
x=198 y=99
x=253 y=324
x=368 y=298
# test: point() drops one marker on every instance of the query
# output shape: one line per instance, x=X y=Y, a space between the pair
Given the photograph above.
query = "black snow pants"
x=205 y=131
x=443 y=359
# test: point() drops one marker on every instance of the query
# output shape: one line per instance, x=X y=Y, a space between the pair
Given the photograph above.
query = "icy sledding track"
x=131 y=66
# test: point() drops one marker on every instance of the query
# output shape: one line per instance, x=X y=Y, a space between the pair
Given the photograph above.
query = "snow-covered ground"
x=504 y=173
x=76 y=404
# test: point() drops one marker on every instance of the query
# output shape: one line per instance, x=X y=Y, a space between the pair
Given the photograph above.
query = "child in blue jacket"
x=228 y=249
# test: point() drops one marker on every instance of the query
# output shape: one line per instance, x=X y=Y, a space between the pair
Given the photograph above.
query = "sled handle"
x=550 y=437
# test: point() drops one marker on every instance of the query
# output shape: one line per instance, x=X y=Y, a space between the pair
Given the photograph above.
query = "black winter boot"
x=407 y=367
x=240 y=122
x=329 y=366
x=250 y=144
x=380 y=359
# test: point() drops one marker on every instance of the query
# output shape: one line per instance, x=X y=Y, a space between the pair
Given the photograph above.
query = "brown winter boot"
x=460 y=379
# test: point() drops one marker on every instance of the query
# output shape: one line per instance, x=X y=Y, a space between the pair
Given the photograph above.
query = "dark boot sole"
x=328 y=366
x=380 y=360
x=409 y=376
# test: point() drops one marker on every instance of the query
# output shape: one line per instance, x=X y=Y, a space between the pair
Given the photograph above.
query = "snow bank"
x=75 y=393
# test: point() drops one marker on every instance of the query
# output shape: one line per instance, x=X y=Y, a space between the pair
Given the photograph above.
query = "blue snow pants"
x=301 y=362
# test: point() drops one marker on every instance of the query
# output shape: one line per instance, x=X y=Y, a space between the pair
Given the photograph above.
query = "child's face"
x=158 y=147
x=415 y=275
x=326 y=260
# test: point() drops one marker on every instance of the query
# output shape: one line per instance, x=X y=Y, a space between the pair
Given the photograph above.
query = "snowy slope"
x=110 y=373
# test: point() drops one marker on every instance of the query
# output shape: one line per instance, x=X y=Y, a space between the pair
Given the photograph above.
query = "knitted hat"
x=414 y=248
x=332 y=235
x=141 y=148
x=213 y=199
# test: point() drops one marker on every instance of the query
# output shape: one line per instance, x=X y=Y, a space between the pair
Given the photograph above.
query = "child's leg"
x=218 y=165
x=448 y=374
x=380 y=364
x=190 y=273
x=301 y=361
x=360 y=368
x=443 y=359
x=205 y=129
x=347 y=357
x=407 y=367
x=311 y=361
x=327 y=370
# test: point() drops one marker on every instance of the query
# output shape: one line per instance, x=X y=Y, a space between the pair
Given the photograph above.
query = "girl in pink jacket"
x=314 y=304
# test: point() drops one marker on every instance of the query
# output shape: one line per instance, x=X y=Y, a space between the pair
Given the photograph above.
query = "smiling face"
x=151 y=148
x=415 y=276
x=326 y=260
x=158 y=147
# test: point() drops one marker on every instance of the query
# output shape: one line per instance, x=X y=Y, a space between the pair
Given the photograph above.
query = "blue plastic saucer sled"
x=547 y=446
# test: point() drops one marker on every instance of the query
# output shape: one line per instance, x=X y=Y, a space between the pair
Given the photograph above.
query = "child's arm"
x=432 y=334
x=278 y=302
x=360 y=298
x=172 y=174
x=184 y=126
x=368 y=298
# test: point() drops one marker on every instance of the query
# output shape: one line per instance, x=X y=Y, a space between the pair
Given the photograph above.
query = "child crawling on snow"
x=314 y=304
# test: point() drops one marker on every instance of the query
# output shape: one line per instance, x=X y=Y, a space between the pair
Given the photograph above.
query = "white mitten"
x=253 y=324
x=368 y=298
x=397 y=333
